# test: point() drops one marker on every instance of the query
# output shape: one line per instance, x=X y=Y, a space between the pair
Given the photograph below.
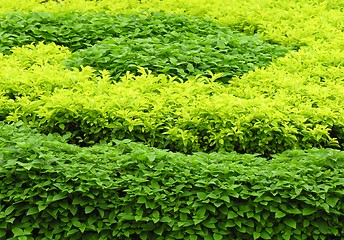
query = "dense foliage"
x=197 y=115
x=119 y=189
x=176 y=45
x=53 y=190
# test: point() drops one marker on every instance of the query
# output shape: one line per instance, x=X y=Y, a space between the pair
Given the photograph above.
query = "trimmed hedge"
x=52 y=190
x=191 y=116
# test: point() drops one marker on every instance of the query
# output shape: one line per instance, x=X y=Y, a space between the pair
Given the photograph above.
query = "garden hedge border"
x=53 y=190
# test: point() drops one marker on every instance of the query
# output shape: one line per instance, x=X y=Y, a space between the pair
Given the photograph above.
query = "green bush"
x=176 y=45
x=52 y=190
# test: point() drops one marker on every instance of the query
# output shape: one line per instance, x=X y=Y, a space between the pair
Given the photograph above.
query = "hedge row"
x=175 y=45
x=52 y=190
x=198 y=115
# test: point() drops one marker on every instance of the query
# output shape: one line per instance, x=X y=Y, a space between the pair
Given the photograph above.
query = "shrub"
x=49 y=189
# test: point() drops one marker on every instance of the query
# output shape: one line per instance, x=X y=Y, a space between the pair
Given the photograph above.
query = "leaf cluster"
x=125 y=190
x=175 y=45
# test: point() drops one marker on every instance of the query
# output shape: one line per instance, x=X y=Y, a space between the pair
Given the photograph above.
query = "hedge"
x=53 y=190
x=197 y=115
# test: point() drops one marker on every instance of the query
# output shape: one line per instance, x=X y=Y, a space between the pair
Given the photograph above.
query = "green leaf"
x=238 y=222
x=256 y=235
x=9 y=210
x=58 y=197
x=287 y=235
x=72 y=231
x=190 y=68
x=265 y=235
x=200 y=213
x=335 y=231
x=138 y=218
x=208 y=224
x=89 y=209
x=76 y=223
x=126 y=216
x=64 y=204
x=257 y=217
x=101 y=212
x=91 y=220
x=159 y=231
x=326 y=207
x=183 y=217
x=184 y=210
x=217 y=236
x=197 y=221
x=225 y=198
x=32 y=211
x=202 y=195
x=62 y=126
x=193 y=237
x=208 y=237
x=173 y=60
x=73 y=209
x=308 y=211
x=279 y=214
x=230 y=223
x=144 y=235
x=291 y=223
x=141 y=199
x=156 y=214
x=10 y=220
x=82 y=228
x=231 y=215
x=17 y=231
x=165 y=219
x=306 y=223
x=332 y=201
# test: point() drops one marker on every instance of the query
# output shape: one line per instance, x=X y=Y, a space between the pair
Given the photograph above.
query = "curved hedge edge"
x=285 y=114
x=49 y=189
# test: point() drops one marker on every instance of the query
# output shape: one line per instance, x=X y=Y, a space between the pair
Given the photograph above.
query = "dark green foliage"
x=52 y=190
x=180 y=54
x=176 y=45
